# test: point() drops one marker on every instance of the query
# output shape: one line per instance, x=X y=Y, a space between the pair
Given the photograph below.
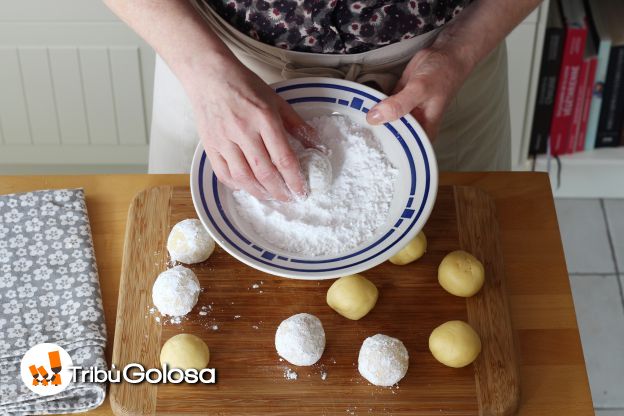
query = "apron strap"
x=383 y=81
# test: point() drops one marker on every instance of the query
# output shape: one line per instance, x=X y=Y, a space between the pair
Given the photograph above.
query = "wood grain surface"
x=553 y=377
x=240 y=308
x=143 y=259
x=496 y=369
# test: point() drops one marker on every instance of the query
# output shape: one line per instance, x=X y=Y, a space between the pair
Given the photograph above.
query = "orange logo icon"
x=55 y=367
x=53 y=376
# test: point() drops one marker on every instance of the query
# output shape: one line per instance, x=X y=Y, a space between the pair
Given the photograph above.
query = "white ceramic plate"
x=404 y=142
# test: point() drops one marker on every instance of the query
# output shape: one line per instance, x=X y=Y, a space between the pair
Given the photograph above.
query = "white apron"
x=474 y=135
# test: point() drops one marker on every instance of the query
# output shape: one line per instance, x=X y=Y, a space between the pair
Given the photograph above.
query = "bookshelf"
x=598 y=173
x=524 y=51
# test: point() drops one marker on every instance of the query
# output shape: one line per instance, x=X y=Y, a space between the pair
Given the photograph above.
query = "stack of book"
x=580 y=96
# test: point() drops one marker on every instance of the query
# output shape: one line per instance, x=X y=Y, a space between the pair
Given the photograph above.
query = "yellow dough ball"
x=455 y=344
x=352 y=296
x=185 y=351
x=412 y=251
x=461 y=274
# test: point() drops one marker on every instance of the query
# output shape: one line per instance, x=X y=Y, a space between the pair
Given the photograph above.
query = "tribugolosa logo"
x=46 y=369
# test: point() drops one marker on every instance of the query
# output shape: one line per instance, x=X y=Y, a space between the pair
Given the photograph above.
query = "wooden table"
x=553 y=376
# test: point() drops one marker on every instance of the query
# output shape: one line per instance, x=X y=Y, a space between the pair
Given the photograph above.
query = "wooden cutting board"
x=240 y=308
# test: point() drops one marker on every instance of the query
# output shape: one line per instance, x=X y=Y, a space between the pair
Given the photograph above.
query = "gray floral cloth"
x=49 y=292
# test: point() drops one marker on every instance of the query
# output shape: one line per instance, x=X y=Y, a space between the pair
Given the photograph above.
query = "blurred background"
x=76 y=93
x=77 y=85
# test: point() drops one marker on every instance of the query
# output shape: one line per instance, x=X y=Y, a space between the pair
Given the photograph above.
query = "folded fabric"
x=49 y=292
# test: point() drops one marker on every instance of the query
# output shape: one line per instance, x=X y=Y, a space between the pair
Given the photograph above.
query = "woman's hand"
x=434 y=75
x=428 y=83
x=243 y=126
x=241 y=121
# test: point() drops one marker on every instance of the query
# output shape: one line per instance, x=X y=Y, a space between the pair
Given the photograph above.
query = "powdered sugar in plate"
x=334 y=220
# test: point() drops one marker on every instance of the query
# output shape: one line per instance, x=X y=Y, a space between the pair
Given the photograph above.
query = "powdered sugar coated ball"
x=175 y=291
x=189 y=242
x=317 y=169
x=300 y=339
x=383 y=360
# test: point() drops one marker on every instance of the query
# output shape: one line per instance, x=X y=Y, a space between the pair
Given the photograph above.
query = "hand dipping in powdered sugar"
x=351 y=183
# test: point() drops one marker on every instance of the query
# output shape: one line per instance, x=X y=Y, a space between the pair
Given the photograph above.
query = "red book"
x=569 y=75
x=591 y=77
x=577 y=112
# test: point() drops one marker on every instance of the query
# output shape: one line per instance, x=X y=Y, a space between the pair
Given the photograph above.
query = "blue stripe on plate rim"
x=262 y=259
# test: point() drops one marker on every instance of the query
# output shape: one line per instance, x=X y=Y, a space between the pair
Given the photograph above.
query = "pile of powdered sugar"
x=334 y=220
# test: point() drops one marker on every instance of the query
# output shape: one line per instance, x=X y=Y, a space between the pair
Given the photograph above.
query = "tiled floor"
x=593 y=237
x=610 y=412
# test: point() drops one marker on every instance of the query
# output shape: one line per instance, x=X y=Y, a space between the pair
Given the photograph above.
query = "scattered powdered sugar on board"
x=289 y=374
x=176 y=320
x=350 y=212
x=164 y=319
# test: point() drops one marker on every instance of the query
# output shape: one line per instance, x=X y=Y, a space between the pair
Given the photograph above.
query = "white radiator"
x=75 y=85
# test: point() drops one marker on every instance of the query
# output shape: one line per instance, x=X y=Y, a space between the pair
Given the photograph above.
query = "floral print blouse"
x=336 y=26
